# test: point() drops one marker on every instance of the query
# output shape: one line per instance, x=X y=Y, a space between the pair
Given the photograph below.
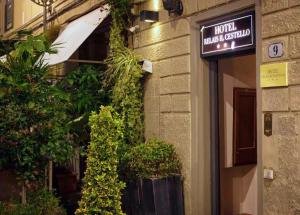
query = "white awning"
x=75 y=34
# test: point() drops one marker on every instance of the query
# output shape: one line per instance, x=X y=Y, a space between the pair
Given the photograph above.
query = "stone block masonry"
x=281 y=23
x=167 y=93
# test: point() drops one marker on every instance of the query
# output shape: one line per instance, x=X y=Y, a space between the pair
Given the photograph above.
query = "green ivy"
x=124 y=76
x=101 y=194
x=120 y=10
x=154 y=159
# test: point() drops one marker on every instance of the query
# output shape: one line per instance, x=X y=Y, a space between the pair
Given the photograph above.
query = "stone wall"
x=281 y=151
x=168 y=90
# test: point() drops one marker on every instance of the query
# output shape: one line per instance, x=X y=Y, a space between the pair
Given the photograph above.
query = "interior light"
x=149 y=16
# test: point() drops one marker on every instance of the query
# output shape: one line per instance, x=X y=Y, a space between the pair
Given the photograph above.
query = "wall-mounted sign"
x=229 y=35
x=275 y=50
x=274 y=75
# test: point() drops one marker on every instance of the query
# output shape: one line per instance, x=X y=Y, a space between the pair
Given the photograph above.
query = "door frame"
x=215 y=137
x=201 y=153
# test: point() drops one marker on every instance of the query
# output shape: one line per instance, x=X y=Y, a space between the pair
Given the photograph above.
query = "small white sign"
x=276 y=50
x=268 y=174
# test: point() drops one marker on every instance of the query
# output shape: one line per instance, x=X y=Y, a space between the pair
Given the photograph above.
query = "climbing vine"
x=116 y=127
x=124 y=75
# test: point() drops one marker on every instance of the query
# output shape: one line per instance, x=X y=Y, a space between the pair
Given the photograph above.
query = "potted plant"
x=154 y=182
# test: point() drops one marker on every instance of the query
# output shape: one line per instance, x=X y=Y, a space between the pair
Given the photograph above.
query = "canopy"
x=75 y=34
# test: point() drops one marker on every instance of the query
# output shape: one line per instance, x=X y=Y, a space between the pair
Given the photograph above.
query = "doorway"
x=233 y=135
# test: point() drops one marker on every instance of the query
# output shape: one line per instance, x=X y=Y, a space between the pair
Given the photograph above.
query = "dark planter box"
x=154 y=197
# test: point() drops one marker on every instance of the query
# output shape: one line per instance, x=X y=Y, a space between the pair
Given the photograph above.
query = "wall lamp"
x=149 y=16
x=174 y=7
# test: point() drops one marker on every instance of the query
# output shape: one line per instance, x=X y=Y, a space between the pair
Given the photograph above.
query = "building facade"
x=191 y=100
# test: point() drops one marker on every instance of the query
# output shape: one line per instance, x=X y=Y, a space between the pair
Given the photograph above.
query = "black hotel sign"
x=228 y=35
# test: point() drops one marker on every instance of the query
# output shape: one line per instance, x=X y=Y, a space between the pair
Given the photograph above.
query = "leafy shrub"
x=154 y=159
x=86 y=95
x=84 y=86
x=39 y=202
x=32 y=110
x=101 y=192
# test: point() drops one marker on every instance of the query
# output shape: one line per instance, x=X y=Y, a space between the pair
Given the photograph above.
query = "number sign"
x=276 y=50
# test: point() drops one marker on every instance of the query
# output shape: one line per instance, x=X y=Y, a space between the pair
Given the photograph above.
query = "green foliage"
x=119 y=9
x=124 y=77
x=86 y=95
x=41 y=202
x=101 y=194
x=155 y=159
x=6 y=46
x=32 y=112
x=84 y=86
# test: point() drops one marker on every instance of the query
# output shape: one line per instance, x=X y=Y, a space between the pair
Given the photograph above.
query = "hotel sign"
x=229 y=35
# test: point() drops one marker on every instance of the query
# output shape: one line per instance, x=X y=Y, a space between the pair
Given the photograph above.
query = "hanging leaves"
x=123 y=76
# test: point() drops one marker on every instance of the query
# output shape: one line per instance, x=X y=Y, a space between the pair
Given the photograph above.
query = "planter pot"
x=154 y=197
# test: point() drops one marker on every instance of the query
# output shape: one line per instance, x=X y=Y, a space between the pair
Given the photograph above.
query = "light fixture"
x=174 y=7
x=149 y=16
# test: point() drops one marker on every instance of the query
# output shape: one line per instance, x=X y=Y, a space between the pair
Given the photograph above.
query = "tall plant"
x=110 y=131
x=123 y=76
x=32 y=112
x=101 y=193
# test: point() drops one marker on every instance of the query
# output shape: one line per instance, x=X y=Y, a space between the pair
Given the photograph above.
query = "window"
x=9 y=14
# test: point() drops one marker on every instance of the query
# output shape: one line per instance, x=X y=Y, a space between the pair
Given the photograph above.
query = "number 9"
x=275 y=50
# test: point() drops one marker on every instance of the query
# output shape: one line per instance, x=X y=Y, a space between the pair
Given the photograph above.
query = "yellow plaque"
x=274 y=75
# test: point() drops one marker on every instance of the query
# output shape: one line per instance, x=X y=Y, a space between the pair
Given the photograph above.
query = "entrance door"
x=233 y=135
x=244 y=126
